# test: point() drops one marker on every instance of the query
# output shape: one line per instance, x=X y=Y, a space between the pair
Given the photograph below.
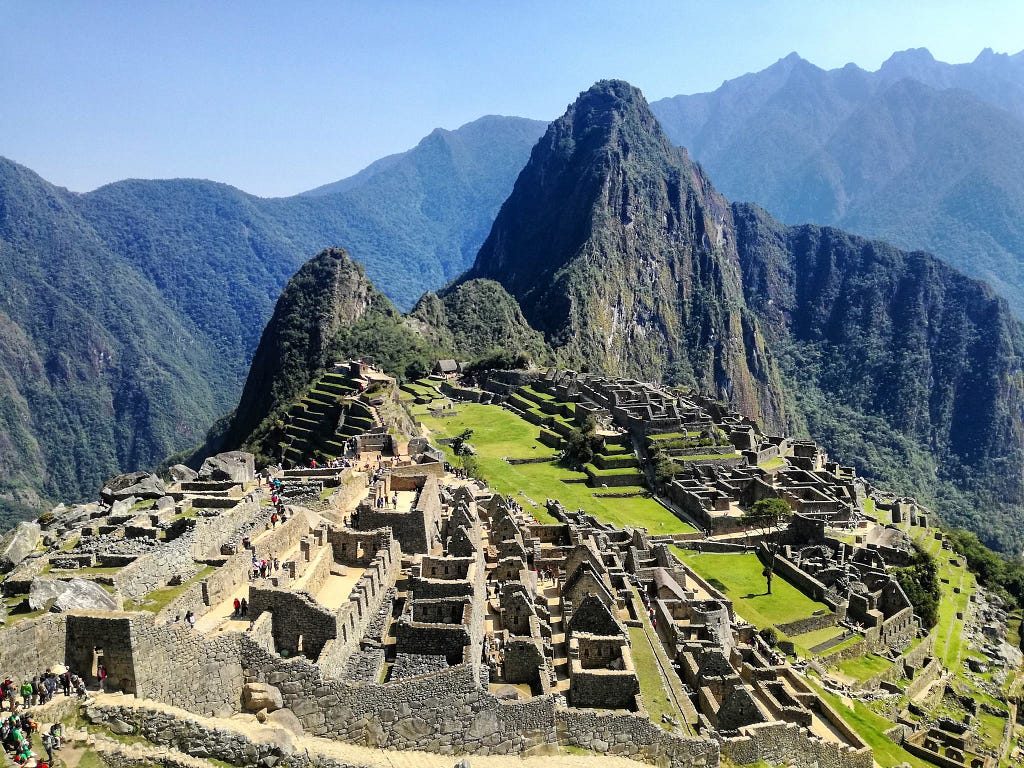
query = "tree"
x=920 y=583
x=582 y=443
x=770 y=516
x=471 y=466
x=458 y=443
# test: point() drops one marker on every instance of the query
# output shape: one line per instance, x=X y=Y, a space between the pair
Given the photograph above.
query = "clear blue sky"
x=279 y=97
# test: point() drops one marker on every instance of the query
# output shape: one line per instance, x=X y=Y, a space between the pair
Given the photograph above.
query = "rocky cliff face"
x=899 y=364
x=620 y=251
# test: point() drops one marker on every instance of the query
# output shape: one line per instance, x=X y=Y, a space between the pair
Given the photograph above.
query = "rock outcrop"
x=17 y=544
x=181 y=474
x=142 y=485
x=71 y=595
x=233 y=466
x=620 y=251
x=257 y=696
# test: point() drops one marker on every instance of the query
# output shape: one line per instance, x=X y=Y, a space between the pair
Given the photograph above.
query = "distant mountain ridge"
x=132 y=311
x=921 y=153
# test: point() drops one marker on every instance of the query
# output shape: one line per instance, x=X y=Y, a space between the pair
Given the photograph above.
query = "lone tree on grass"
x=770 y=516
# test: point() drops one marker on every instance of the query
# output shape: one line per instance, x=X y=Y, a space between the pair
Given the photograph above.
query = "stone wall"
x=298 y=619
x=632 y=736
x=810 y=624
x=32 y=645
x=791 y=745
x=365 y=601
x=181 y=667
x=202 y=541
x=924 y=678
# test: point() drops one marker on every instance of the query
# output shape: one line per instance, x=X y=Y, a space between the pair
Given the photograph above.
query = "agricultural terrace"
x=499 y=434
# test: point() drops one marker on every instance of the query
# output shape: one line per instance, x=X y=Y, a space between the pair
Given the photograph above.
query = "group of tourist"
x=264 y=569
x=16 y=735
x=493 y=653
x=42 y=688
x=18 y=725
x=382 y=501
x=241 y=608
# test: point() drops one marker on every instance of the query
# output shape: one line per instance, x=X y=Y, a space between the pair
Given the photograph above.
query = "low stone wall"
x=632 y=736
x=924 y=678
x=810 y=624
x=791 y=745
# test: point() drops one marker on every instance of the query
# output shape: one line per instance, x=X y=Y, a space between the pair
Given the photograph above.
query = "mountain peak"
x=908 y=63
x=612 y=241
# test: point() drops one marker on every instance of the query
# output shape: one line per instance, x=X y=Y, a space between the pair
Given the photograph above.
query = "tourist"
x=48 y=746
x=26 y=693
x=277 y=564
x=65 y=681
x=57 y=734
x=245 y=607
x=273 y=520
x=190 y=619
x=238 y=607
x=101 y=675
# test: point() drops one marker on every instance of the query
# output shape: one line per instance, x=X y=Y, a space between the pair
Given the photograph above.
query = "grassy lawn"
x=772 y=463
x=739 y=577
x=651 y=687
x=863 y=667
x=818 y=636
x=498 y=433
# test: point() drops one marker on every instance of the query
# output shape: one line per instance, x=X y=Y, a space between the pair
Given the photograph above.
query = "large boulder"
x=257 y=696
x=181 y=474
x=72 y=595
x=142 y=485
x=236 y=466
x=17 y=544
x=286 y=719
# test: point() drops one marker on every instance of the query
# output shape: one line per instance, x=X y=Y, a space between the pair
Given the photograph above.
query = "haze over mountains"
x=134 y=309
x=921 y=153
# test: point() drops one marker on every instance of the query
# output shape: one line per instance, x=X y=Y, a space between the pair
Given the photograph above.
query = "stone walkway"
x=369 y=757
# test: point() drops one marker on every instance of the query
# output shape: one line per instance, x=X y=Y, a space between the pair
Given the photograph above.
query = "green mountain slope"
x=618 y=249
x=100 y=373
x=898 y=364
x=131 y=313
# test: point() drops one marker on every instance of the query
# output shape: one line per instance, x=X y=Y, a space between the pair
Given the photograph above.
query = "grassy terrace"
x=652 y=689
x=498 y=433
x=864 y=667
x=739 y=577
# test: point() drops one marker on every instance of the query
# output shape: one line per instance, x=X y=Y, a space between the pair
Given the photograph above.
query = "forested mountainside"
x=920 y=153
x=99 y=373
x=622 y=253
x=131 y=313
